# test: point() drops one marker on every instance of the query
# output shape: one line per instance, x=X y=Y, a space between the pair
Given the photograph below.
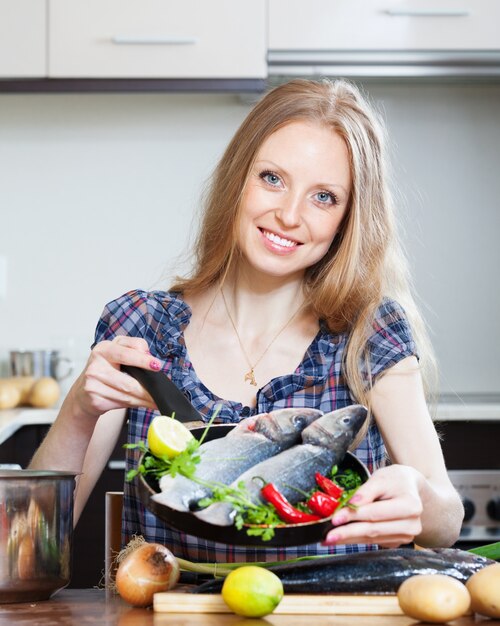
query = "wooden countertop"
x=95 y=606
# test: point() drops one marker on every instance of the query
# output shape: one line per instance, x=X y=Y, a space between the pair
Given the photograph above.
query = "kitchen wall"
x=99 y=193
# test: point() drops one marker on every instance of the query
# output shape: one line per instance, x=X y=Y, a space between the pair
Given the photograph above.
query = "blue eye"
x=325 y=197
x=270 y=177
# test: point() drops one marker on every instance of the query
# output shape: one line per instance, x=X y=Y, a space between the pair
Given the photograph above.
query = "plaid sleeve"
x=391 y=340
x=127 y=315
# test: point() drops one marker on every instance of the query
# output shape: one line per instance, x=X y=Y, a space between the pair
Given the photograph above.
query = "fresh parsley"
x=260 y=518
x=184 y=463
x=349 y=480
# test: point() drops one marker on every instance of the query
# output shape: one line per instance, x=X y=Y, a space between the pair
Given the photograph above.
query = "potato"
x=433 y=598
x=484 y=589
x=44 y=393
x=10 y=396
x=23 y=384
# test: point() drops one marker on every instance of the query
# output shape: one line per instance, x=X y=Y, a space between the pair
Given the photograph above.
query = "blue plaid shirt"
x=160 y=317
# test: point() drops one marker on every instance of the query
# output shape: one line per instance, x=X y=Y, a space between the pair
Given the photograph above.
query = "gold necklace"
x=250 y=375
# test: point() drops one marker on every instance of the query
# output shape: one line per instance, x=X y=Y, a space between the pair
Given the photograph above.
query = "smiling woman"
x=298 y=298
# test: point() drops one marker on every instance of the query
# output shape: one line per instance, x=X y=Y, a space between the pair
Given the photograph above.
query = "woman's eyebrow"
x=271 y=164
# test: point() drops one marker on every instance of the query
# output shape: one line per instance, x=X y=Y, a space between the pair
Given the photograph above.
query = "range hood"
x=361 y=64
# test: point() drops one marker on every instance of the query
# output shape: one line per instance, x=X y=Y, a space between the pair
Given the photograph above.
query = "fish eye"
x=300 y=421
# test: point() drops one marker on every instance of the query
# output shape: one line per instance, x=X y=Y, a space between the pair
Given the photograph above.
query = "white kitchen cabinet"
x=157 y=39
x=384 y=25
x=23 y=38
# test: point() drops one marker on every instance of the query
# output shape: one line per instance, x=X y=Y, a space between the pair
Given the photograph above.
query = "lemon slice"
x=167 y=437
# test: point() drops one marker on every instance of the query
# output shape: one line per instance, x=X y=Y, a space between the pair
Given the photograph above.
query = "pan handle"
x=165 y=393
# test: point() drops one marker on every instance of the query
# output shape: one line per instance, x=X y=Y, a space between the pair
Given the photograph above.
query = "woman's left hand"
x=388 y=510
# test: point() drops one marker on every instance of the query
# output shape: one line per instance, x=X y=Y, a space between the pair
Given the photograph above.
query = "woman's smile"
x=278 y=243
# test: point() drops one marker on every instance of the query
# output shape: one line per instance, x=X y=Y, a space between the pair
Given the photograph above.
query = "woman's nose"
x=289 y=212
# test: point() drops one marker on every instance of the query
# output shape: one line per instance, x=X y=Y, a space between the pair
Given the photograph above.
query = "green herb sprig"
x=350 y=481
x=262 y=518
x=184 y=463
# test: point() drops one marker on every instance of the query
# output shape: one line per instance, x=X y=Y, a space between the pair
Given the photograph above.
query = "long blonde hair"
x=364 y=263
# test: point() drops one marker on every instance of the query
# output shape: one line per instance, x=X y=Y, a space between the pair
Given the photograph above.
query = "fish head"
x=284 y=426
x=336 y=430
x=247 y=424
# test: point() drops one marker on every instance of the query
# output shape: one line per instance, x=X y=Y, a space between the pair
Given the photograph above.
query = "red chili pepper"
x=328 y=486
x=322 y=504
x=286 y=511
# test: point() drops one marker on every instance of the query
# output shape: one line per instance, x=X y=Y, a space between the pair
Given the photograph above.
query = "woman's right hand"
x=102 y=386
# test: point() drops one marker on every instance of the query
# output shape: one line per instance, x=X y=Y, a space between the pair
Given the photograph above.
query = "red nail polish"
x=155 y=365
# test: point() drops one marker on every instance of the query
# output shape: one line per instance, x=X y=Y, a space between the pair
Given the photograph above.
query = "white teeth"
x=286 y=243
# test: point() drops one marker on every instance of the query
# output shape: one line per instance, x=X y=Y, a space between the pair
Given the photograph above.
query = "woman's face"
x=296 y=196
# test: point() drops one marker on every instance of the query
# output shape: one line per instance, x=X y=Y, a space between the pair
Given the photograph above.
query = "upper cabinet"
x=384 y=38
x=237 y=44
x=383 y=25
x=157 y=39
x=22 y=38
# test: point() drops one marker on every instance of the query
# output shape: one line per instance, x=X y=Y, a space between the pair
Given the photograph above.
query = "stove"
x=480 y=493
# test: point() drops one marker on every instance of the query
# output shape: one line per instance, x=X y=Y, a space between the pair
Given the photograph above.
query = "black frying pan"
x=284 y=536
x=169 y=399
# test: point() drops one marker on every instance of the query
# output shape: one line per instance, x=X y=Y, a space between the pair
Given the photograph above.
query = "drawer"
x=384 y=25
x=23 y=27
x=157 y=39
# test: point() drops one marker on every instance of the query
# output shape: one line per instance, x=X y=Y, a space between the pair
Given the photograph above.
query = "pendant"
x=251 y=378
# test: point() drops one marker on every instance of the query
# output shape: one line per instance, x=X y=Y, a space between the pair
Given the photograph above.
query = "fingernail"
x=155 y=365
x=331 y=538
x=356 y=498
x=339 y=519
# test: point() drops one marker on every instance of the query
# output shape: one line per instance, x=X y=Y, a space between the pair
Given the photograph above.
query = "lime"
x=167 y=437
x=252 y=591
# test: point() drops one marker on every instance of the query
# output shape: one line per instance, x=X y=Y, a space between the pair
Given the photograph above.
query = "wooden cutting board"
x=292 y=604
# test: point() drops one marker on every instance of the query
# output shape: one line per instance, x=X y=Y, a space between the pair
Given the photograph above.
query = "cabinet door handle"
x=147 y=40
x=428 y=12
x=116 y=465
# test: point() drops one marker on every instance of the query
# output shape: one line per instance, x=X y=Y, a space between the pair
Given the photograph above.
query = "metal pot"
x=36 y=531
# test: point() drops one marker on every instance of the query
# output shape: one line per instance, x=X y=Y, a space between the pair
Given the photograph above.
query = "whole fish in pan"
x=324 y=444
x=377 y=571
x=222 y=460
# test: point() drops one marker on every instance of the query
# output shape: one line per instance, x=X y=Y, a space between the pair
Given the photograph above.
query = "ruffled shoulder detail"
x=159 y=317
x=391 y=339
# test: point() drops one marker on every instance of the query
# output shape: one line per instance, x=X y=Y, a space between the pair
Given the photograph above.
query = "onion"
x=144 y=571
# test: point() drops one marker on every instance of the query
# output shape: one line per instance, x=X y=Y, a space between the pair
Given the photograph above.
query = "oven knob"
x=469 y=509
x=493 y=509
